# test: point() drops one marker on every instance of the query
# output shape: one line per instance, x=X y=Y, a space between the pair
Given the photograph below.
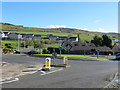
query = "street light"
x=19 y=36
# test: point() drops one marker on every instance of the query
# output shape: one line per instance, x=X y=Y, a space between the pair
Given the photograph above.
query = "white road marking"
x=68 y=66
x=34 y=72
x=16 y=79
x=43 y=72
x=52 y=71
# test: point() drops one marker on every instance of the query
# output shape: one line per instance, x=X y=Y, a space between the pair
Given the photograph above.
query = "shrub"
x=107 y=52
x=50 y=49
x=7 y=50
x=9 y=45
x=45 y=51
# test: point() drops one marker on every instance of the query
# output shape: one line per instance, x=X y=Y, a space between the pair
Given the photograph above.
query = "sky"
x=92 y=16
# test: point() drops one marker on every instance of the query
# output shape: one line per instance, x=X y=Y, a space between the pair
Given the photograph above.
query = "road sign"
x=60 y=48
x=48 y=63
x=98 y=51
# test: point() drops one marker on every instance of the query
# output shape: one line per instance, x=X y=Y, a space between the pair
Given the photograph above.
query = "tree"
x=9 y=45
x=37 y=44
x=28 y=42
x=97 y=41
x=106 y=41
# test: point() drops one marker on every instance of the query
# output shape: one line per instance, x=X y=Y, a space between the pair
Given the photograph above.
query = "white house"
x=5 y=34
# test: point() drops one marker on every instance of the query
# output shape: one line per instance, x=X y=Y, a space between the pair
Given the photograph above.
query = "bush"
x=107 y=53
x=9 y=45
x=45 y=51
x=50 y=49
x=7 y=50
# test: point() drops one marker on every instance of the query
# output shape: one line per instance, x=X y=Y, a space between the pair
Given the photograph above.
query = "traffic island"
x=72 y=57
x=48 y=66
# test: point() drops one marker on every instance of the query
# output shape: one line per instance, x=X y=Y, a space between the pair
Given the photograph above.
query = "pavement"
x=79 y=74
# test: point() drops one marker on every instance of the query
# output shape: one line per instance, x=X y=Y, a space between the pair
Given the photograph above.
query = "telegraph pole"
x=18 y=42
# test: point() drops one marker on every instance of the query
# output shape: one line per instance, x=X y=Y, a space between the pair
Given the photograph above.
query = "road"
x=80 y=74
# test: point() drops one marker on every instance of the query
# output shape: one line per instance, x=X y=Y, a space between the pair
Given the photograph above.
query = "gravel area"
x=115 y=84
x=11 y=70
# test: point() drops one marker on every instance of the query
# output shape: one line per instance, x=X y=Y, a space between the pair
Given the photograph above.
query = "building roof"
x=6 y=33
x=76 y=46
x=37 y=35
x=116 y=47
x=62 y=37
x=73 y=37
x=15 y=33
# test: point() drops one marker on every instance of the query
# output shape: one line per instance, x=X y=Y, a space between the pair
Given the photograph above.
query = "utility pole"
x=18 y=42
x=24 y=43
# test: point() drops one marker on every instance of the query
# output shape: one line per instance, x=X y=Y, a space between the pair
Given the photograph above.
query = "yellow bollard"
x=48 y=63
x=65 y=60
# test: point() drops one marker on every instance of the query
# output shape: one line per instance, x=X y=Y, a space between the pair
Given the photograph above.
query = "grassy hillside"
x=84 y=35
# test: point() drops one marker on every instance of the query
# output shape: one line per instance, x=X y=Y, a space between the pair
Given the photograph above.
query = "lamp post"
x=24 y=43
x=18 y=41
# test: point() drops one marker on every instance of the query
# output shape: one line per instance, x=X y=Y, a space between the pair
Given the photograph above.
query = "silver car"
x=118 y=56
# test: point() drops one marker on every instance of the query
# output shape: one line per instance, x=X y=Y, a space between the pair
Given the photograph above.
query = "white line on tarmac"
x=52 y=71
x=16 y=79
x=43 y=72
x=36 y=71
x=68 y=66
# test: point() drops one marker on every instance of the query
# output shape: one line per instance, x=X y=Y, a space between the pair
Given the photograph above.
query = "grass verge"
x=74 y=56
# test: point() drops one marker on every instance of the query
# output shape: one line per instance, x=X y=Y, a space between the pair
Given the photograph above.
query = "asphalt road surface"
x=80 y=74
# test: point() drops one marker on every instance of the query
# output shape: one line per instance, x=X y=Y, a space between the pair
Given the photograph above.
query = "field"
x=13 y=42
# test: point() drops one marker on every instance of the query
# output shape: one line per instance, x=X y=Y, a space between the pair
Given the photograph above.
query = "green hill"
x=85 y=35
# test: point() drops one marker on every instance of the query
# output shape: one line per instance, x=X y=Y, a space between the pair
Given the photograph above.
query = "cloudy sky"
x=92 y=16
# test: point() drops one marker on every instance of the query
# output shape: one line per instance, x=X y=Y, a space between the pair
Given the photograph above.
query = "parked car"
x=16 y=52
x=118 y=56
x=32 y=52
